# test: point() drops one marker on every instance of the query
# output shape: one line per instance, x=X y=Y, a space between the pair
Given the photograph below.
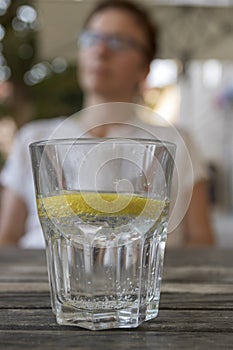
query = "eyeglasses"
x=115 y=43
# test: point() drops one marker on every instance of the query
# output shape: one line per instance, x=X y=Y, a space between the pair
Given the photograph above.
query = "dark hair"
x=141 y=16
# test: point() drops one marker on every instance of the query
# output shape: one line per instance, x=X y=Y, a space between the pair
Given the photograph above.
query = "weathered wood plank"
x=24 y=300
x=194 y=288
x=197 y=288
x=173 y=257
x=118 y=339
x=204 y=273
x=169 y=301
x=211 y=256
x=10 y=273
x=32 y=256
x=167 y=321
x=186 y=301
x=7 y=287
x=216 y=275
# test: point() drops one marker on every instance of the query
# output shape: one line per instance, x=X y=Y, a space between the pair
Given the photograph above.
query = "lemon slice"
x=98 y=204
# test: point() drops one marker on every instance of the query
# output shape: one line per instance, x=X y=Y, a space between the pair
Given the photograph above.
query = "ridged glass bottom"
x=104 y=319
x=106 y=284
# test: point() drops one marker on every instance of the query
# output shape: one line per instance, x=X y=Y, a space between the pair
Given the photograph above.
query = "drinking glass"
x=103 y=205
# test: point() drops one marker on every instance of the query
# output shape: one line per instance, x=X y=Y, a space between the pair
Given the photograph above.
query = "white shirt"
x=17 y=173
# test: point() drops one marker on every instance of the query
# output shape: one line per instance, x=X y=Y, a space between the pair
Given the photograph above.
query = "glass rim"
x=95 y=140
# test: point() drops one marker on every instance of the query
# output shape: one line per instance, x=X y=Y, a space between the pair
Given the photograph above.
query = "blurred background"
x=190 y=83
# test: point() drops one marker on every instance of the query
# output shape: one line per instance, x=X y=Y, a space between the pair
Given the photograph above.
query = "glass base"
x=105 y=319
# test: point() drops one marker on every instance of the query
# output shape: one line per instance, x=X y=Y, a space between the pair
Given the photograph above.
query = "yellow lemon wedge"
x=98 y=204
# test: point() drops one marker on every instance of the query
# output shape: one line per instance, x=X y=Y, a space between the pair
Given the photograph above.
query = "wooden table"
x=196 y=309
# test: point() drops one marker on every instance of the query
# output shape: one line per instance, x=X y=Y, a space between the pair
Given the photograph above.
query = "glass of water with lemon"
x=103 y=205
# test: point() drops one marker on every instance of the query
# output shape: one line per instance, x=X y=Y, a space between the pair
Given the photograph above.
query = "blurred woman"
x=116 y=47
